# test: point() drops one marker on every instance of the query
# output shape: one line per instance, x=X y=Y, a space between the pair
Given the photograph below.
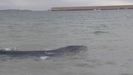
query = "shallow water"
x=107 y=34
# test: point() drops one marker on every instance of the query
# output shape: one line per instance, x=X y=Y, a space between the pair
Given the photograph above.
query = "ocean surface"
x=108 y=34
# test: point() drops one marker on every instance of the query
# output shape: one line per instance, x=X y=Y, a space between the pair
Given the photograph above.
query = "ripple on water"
x=126 y=74
x=98 y=32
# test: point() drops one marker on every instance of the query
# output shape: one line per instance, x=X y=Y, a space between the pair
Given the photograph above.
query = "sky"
x=47 y=4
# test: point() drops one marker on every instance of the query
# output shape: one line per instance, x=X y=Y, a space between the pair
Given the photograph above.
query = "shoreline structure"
x=85 y=8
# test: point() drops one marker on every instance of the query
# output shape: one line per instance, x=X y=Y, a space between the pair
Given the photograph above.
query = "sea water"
x=108 y=34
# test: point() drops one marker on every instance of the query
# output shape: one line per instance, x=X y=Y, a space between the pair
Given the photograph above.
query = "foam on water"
x=44 y=57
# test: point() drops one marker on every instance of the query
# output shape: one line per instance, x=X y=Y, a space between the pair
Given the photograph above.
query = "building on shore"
x=85 y=8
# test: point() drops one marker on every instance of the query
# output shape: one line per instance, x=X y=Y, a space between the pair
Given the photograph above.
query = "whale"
x=59 y=52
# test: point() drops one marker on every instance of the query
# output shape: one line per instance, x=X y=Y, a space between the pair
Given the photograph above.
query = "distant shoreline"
x=12 y=10
x=85 y=8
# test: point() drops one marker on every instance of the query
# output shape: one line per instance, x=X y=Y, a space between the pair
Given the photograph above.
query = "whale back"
x=68 y=50
x=35 y=53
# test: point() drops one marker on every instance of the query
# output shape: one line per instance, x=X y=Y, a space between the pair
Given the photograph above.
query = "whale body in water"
x=68 y=50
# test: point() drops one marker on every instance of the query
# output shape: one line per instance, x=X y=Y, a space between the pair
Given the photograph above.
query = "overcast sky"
x=47 y=4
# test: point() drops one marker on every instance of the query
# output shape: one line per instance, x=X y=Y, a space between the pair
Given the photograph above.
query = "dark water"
x=107 y=34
